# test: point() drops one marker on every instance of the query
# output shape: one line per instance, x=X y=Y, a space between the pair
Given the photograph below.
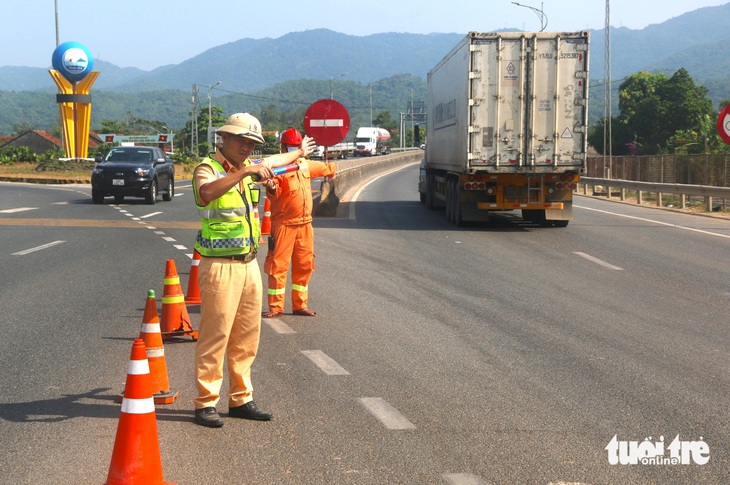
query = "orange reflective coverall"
x=291 y=230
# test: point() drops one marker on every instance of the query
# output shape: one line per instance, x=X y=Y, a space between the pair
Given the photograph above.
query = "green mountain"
x=301 y=67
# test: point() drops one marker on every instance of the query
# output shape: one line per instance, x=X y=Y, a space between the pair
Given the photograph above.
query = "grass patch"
x=67 y=170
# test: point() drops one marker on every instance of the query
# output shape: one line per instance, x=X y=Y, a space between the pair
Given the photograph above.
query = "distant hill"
x=696 y=41
x=249 y=65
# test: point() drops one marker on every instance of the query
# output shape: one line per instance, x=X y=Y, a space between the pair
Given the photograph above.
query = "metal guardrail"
x=683 y=190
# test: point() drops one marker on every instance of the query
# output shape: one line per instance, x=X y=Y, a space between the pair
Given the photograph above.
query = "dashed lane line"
x=328 y=365
x=37 y=248
x=389 y=416
x=463 y=479
x=18 y=209
x=279 y=327
x=597 y=261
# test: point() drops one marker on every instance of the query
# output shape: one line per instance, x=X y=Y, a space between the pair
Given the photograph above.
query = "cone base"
x=192 y=300
x=165 y=397
x=163 y=483
x=180 y=333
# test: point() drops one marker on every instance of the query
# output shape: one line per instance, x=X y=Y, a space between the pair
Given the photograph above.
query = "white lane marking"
x=385 y=413
x=168 y=239
x=38 y=248
x=598 y=261
x=326 y=363
x=159 y=233
x=463 y=479
x=18 y=209
x=709 y=233
x=180 y=246
x=351 y=214
x=150 y=215
x=278 y=326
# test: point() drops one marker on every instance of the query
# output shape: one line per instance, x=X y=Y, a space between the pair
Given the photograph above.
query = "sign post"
x=327 y=121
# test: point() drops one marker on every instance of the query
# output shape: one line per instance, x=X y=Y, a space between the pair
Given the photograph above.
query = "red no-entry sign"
x=723 y=124
x=327 y=121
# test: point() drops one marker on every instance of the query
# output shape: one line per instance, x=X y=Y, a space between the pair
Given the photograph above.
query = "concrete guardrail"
x=352 y=172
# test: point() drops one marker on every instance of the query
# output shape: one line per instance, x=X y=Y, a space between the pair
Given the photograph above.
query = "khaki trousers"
x=230 y=326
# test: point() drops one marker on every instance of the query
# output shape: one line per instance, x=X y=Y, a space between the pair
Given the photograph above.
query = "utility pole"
x=58 y=42
x=607 y=109
x=211 y=139
x=194 y=123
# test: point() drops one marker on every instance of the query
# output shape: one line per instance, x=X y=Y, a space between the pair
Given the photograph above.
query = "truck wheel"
x=97 y=196
x=429 y=192
x=151 y=195
x=170 y=192
x=449 y=200
x=457 y=206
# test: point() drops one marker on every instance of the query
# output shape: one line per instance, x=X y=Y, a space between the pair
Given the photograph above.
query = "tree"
x=23 y=127
x=659 y=115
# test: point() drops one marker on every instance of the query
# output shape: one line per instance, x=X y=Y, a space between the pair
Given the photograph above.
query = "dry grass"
x=65 y=170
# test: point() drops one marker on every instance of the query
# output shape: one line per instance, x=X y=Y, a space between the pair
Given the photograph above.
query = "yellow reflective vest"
x=228 y=226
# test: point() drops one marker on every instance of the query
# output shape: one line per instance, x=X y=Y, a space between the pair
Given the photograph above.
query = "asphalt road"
x=497 y=353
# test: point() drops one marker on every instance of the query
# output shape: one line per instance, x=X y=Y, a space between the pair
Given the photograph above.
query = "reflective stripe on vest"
x=227 y=228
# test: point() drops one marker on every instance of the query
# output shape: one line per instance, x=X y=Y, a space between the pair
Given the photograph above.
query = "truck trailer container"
x=507 y=126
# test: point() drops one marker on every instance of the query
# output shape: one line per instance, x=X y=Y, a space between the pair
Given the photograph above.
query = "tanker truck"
x=507 y=126
x=371 y=141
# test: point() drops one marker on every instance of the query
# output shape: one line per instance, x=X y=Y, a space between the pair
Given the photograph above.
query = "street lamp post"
x=332 y=91
x=371 y=98
x=540 y=14
x=210 y=113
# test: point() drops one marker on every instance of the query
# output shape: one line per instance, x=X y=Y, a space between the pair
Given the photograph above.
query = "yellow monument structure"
x=72 y=73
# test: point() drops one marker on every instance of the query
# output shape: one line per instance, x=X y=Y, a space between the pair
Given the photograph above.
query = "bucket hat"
x=245 y=125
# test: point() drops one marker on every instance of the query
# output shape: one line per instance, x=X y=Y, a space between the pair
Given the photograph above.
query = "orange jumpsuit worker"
x=292 y=236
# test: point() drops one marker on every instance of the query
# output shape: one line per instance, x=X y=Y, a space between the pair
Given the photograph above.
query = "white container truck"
x=371 y=141
x=507 y=126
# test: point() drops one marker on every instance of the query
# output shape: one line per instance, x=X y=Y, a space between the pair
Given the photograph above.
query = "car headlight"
x=97 y=171
x=141 y=172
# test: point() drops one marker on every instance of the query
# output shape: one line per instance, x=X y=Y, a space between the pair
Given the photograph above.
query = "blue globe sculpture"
x=73 y=61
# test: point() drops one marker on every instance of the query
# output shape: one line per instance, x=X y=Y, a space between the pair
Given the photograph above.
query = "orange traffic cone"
x=136 y=456
x=175 y=318
x=266 y=221
x=193 y=296
x=150 y=334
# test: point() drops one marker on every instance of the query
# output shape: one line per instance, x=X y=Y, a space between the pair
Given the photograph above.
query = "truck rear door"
x=528 y=102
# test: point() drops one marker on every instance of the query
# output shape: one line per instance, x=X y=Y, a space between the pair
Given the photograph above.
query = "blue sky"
x=150 y=33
